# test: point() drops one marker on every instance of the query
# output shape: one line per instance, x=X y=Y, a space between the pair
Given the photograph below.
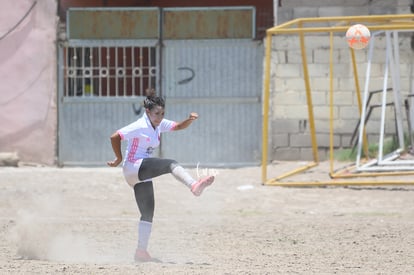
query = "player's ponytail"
x=152 y=100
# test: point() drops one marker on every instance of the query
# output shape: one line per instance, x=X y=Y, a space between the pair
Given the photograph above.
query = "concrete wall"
x=289 y=123
x=291 y=9
x=28 y=117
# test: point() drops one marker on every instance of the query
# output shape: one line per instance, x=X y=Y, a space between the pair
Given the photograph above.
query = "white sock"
x=182 y=175
x=144 y=233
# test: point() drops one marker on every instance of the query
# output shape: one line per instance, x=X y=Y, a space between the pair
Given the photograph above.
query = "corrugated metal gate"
x=102 y=83
x=225 y=91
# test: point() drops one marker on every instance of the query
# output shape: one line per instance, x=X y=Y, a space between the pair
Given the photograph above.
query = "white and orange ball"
x=358 y=36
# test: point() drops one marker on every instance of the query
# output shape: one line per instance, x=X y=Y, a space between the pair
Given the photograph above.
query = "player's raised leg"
x=196 y=186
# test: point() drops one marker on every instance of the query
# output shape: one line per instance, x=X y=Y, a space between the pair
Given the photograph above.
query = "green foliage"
x=350 y=154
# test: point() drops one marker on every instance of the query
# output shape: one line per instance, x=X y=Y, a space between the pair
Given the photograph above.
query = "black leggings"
x=144 y=196
x=144 y=191
x=154 y=167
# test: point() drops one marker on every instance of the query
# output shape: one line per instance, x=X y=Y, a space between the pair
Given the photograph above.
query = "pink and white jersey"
x=143 y=138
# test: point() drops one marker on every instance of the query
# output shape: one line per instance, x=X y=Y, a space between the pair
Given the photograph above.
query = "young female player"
x=139 y=167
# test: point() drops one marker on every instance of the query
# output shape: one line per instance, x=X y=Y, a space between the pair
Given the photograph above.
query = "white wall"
x=28 y=117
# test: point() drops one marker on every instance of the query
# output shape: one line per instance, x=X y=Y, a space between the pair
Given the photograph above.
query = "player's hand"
x=193 y=116
x=115 y=162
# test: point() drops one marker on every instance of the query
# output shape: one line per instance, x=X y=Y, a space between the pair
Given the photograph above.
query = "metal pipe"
x=299 y=30
x=265 y=126
x=141 y=66
x=124 y=66
x=359 y=100
x=384 y=96
x=296 y=171
x=108 y=68
x=338 y=183
x=331 y=102
x=116 y=73
x=82 y=56
x=395 y=73
x=309 y=98
x=99 y=74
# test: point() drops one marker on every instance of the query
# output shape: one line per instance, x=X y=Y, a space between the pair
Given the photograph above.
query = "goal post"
x=331 y=25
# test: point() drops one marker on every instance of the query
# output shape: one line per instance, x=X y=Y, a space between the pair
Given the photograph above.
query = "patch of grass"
x=349 y=154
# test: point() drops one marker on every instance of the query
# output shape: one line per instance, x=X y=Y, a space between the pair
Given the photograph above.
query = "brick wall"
x=289 y=121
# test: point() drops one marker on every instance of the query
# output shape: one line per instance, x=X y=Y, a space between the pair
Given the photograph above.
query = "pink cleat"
x=142 y=256
x=198 y=187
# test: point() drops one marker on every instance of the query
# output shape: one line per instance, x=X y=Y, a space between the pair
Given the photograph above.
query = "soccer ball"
x=358 y=36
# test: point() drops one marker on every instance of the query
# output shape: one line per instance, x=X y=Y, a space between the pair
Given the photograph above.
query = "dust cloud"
x=40 y=233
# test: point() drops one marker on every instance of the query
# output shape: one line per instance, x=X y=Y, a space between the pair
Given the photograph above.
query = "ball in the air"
x=358 y=36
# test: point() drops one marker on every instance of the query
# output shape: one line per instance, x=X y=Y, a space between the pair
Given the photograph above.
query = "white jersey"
x=142 y=140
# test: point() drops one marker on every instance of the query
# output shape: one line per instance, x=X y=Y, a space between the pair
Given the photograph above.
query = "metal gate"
x=102 y=84
x=221 y=81
x=100 y=90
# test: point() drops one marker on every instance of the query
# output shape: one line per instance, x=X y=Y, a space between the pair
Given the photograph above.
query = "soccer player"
x=139 y=167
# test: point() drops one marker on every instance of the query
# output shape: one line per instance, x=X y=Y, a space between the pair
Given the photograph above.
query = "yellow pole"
x=346 y=174
x=265 y=129
x=294 y=172
x=340 y=29
x=340 y=183
x=308 y=97
x=331 y=103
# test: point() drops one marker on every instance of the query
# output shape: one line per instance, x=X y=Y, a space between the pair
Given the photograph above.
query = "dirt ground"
x=84 y=221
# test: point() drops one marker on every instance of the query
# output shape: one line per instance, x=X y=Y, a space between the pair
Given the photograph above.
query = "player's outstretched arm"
x=116 y=147
x=185 y=123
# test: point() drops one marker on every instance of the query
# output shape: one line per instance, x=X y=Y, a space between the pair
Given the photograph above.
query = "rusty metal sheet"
x=113 y=23
x=208 y=23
